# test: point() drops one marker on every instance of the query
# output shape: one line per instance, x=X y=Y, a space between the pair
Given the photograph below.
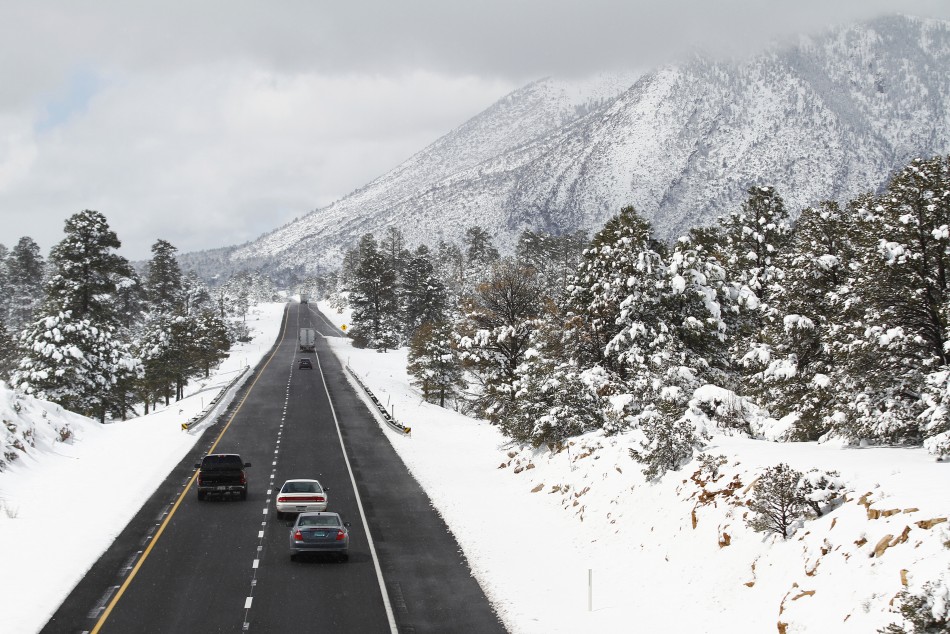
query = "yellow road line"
x=181 y=496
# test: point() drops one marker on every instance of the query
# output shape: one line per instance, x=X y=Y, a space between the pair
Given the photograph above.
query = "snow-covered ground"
x=588 y=545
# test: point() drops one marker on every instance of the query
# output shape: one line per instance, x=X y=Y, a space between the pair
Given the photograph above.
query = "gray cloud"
x=207 y=123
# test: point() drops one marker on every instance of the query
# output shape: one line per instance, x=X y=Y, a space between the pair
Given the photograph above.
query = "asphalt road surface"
x=223 y=565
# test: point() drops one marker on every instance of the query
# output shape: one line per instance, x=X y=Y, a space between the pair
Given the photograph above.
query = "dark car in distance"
x=320 y=532
x=306 y=364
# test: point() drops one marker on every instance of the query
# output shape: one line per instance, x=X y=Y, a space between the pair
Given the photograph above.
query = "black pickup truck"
x=222 y=473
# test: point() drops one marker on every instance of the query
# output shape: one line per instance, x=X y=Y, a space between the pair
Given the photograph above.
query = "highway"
x=184 y=566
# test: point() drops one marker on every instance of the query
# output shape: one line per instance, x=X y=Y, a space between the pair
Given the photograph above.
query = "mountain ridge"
x=827 y=118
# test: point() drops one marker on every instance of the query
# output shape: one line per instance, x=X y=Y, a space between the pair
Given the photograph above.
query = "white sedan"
x=300 y=496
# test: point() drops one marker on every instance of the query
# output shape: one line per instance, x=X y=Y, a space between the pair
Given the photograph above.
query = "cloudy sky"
x=207 y=123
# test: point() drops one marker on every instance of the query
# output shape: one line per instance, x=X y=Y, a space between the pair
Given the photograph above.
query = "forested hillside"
x=831 y=326
x=85 y=330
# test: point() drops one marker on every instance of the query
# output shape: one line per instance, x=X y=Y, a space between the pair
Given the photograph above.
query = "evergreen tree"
x=433 y=362
x=373 y=298
x=810 y=307
x=394 y=251
x=72 y=354
x=8 y=351
x=777 y=500
x=87 y=273
x=479 y=250
x=555 y=258
x=552 y=400
x=900 y=289
x=451 y=268
x=163 y=279
x=600 y=286
x=752 y=240
x=424 y=297
x=25 y=269
x=495 y=333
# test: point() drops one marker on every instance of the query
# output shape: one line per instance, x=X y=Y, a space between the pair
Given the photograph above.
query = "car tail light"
x=283 y=499
x=297 y=536
x=243 y=478
x=340 y=535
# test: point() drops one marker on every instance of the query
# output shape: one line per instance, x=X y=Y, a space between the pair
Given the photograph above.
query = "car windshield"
x=319 y=520
x=301 y=487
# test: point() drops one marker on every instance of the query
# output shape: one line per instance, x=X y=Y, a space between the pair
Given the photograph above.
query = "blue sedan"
x=320 y=533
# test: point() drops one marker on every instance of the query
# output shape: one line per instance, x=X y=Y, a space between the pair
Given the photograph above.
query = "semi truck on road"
x=307 y=339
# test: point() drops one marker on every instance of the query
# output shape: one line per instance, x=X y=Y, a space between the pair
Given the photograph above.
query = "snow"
x=671 y=555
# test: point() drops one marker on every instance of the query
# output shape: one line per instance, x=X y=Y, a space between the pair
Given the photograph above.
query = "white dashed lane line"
x=255 y=565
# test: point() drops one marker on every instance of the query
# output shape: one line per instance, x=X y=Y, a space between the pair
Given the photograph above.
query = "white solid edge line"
x=359 y=504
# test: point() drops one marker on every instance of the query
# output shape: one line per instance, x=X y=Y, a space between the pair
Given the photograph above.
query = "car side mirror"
x=347 y=524
x=326 y=489
x=197 y=466
x=247 y=464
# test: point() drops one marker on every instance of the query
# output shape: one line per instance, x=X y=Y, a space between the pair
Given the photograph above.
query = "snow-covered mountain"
x=827 y=118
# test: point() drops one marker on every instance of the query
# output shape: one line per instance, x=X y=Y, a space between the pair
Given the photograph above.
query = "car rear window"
x=320 y=520
x=222 y=462
x=301 y=487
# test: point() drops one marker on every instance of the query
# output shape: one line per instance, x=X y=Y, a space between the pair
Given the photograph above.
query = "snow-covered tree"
x=25 y=269
x=433 y=362
x=797 y=379
x=76 y=363
x=670 y=439
x=752 y=240
x=600 y=286
x=163 y=279
x=87 y=273
x=552 y=400
x=495 y=333
x=373 y=298
x=74 y=354
x=777 y=500
x=423 y=296
x=900 y=290
x=555 y=258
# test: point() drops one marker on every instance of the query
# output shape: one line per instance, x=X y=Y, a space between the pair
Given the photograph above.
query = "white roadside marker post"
x=590 y=590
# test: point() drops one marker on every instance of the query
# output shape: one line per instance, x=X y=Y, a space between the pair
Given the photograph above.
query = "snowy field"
x=589 y=546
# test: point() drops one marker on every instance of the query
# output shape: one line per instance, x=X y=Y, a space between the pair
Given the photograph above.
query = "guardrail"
x=403 y=429
x=200 y=416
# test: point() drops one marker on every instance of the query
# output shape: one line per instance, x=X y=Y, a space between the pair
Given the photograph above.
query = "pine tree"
x=373 y=298
x=163 y=279
x=670 y=438
x=810 y=309
x=552 y=400
x=73 y=354
x=424 y=297
x=555 y=258
x=752 y=240
x=87 y=273
x=479 y=250
x=600 y=286
x=900 y=288
x=777 y=500
x=495 y=333
x=433 y=362
x=25 y=269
